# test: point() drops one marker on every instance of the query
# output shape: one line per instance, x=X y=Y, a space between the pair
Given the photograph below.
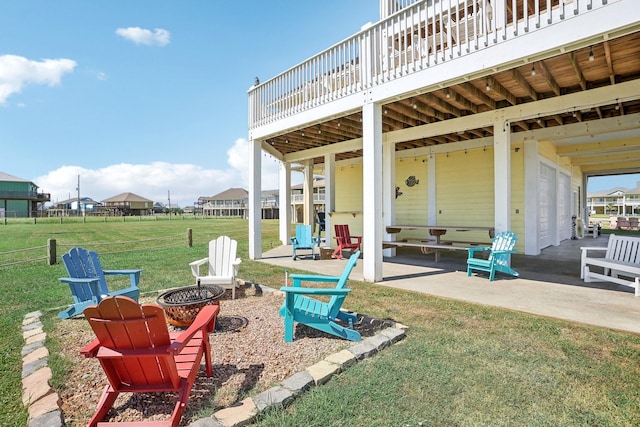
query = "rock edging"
x=43 y=402
x=247 y=410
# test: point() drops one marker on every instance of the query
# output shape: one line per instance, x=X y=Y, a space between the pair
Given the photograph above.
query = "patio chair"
x=223 y=265
x=139 y=355
x=299 y=306
x=498 y=260
x=304 y=240
x=321 y=221
x=87 y=281
x=345 y=241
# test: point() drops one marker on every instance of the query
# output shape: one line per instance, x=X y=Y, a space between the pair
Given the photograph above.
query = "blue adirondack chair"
x=299 y=306
x=498 y=260
x=87 y=281
x=304 y=240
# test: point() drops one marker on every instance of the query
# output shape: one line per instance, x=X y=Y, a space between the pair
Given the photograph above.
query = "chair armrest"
x=504 y=252
x=294 y=241
x=472 y=251
x=205 y=321
x=198 y=262
x=314 y=291
x=91 y=349
x=299 y=278
x=134 y=275
x=587 y=249
x=79 y=280
x=121 y=272
x=195 y=266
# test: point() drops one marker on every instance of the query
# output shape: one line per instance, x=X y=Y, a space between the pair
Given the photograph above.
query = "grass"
x=460 y=365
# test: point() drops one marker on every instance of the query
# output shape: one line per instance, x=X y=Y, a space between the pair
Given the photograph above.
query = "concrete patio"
x=549 y=284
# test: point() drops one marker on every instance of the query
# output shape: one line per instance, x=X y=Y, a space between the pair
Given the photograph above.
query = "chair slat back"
x=84 y=264
x=122 y=324
x=304 y=236
x=336 y=301
x=504 y=241
x=222 y=254
x=342 y=233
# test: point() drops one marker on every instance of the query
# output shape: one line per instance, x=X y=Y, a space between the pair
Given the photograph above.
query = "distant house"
x=127 y=204
x=617 y=201
x=20 y=198
x=74 y=206
x=270 y=202
x=230 y=203
x=297 y=199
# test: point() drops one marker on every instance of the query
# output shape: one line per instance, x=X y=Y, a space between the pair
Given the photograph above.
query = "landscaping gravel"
x=249 y=356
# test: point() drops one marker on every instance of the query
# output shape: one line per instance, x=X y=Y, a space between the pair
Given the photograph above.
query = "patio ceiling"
x=605 y=64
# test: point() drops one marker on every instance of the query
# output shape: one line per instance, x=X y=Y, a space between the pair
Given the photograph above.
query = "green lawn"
x=460 y=365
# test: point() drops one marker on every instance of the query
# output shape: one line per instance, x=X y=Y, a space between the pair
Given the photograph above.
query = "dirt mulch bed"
x=249 y=355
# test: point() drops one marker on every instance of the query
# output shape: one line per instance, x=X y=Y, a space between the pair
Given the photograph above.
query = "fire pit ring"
x=181 y=306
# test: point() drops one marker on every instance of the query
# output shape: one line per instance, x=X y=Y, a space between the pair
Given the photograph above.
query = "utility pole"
x=169 y=200
x=78 y=190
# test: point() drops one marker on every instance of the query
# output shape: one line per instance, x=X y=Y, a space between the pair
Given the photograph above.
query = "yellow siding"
x=349 y=198
x=411 y=205
x=548 y=150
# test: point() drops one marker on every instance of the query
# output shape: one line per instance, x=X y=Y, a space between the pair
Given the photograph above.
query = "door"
x=564 y=206
x=547 y=207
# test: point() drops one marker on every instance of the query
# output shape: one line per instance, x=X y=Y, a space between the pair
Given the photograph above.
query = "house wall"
x=16 y=208
x=349 y=198
x=412 y=205
x=464 y=193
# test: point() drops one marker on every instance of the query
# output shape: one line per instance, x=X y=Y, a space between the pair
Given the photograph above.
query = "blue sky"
x=150 y=96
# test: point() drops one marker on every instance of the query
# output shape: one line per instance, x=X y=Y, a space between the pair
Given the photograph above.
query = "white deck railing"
x=420 y=35
x=318 y=198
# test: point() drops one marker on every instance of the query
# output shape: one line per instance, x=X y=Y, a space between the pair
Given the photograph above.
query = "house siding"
x=412 y=206
x=349 y=198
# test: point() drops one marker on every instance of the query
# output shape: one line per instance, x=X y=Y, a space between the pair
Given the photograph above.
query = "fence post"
x=189 y=238
x=51 y=251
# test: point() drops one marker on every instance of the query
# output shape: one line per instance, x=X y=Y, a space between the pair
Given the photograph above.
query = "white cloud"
x=18 y=71
x=184 y=182
x=157 y=37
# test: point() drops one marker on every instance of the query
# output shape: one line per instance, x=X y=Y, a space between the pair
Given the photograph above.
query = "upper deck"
x=432 y=61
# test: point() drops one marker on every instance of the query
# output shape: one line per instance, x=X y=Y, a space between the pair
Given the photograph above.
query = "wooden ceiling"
x=604 y=64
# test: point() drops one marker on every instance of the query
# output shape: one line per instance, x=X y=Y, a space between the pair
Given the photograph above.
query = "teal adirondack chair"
x=87 y=281
x=500 y=250
x=304 y=240
x=298 y=307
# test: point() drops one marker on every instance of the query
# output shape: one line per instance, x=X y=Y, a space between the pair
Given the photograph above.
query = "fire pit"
x=181 y=306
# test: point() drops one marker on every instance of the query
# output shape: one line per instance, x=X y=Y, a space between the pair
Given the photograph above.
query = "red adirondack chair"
x=140 y=355
x=345 y=241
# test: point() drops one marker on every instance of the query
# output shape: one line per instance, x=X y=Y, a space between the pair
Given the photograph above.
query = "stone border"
x=244 y=413
x=44 y=403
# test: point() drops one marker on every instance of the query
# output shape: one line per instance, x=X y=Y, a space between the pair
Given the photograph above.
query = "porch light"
x=591 y=57
x=488 y=85
x=448 y=95
x=533 y=70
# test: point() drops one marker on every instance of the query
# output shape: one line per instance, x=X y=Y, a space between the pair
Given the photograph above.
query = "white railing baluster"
x=416 y=35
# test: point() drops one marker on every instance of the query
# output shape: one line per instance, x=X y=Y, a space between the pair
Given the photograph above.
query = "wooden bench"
x=434 y=244
x=620 y=264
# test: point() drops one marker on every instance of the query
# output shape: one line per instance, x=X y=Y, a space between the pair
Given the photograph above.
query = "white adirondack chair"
x=223 y=265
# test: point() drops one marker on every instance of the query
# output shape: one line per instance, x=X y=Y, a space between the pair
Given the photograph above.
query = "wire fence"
x=49 y=251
